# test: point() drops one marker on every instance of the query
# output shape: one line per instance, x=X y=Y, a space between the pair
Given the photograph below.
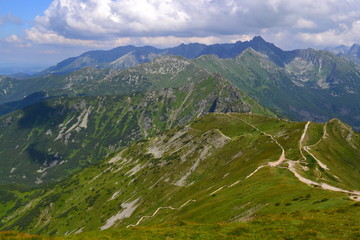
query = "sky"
x=44 y=32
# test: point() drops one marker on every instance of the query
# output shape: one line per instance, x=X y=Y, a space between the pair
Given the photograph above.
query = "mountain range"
x=223 y=141
x=128 y=56
x=352 y=53
x=301 y=85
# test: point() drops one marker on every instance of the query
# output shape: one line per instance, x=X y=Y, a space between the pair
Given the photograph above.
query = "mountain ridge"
x=210 y=171
x=138 y=55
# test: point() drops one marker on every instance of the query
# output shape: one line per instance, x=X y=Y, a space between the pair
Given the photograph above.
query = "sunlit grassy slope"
x=224 y=176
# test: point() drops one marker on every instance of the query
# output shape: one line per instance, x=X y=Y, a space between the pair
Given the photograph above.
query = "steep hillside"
x=51 y=139
x=228 y=168
x=312 y=85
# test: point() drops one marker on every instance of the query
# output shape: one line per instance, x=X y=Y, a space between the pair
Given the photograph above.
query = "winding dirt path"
x=325 y=186
x=281 y=159
x=306 y=148
x=354 y=195
x=157 y=210
x=302 y=140
x=282 y=156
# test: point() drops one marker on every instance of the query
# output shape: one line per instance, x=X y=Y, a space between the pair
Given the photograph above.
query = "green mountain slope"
x=49 y=140
x=166 y=71
x=312 y=85
x=227 y=168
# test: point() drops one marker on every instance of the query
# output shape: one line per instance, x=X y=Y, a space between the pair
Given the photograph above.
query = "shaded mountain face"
x=225 y=168
x=49 y=140
x=28 y=100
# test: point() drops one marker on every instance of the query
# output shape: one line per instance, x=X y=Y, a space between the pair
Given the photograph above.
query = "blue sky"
x=44 y=32
x=22 y=10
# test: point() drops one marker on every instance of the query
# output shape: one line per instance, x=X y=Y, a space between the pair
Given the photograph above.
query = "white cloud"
x=106 y=19
x=16 y=41
x=44 y=37
x=343 y=34
x=13 y=39
x=160 y=22
x=305 y=24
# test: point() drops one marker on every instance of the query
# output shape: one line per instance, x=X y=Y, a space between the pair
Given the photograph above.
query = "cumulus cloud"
x=96 y=22
x=16 y=41
x=343 y=34
x=40 y=36
x=306 y=24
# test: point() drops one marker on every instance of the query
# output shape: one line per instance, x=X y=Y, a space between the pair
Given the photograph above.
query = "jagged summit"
x=258 y=39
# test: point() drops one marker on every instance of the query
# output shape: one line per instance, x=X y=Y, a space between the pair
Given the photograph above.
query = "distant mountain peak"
x=258 y=39
x=351 y=53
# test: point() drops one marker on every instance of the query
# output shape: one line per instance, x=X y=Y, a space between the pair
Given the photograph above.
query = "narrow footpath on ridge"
x=354 y=195
x=291 y=166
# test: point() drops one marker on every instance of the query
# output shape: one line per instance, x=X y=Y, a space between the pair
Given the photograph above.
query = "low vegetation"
x=222 y=176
